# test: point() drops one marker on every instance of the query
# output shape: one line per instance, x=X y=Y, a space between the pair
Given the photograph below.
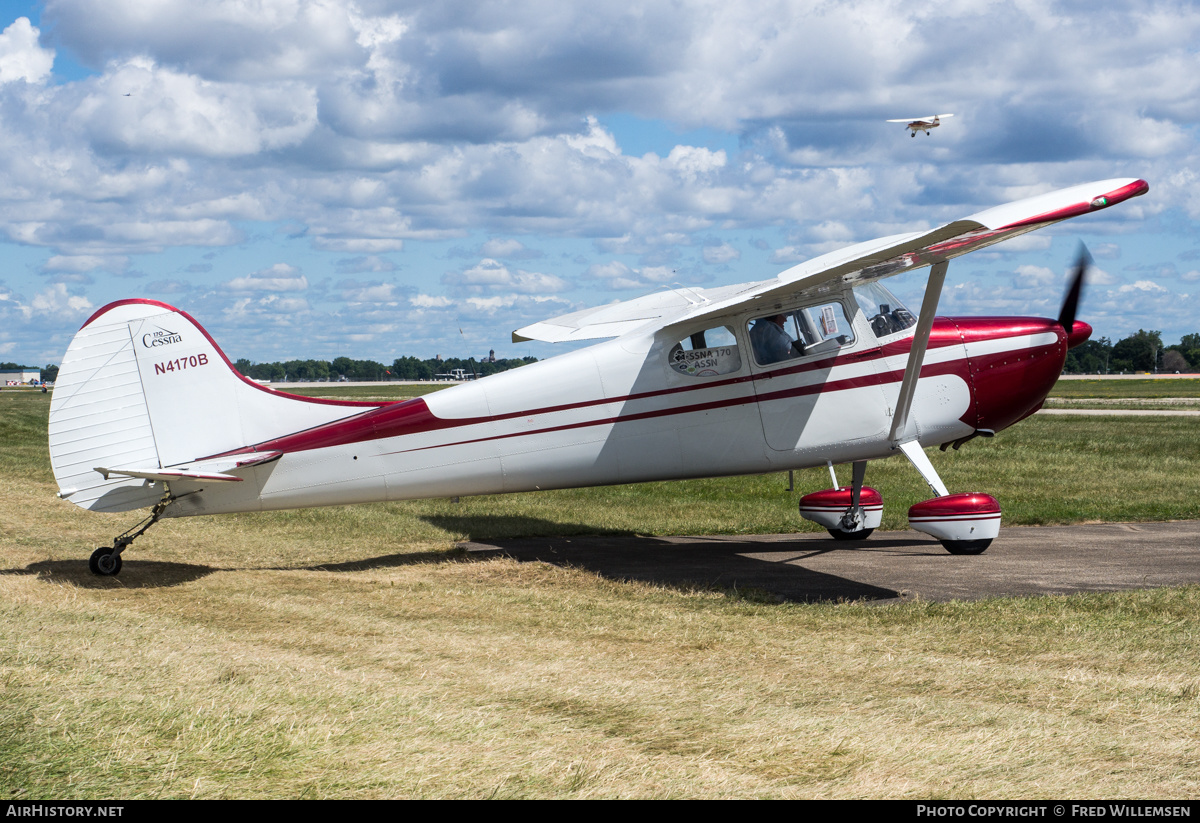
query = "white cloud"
x=84 y=263
x=1097 y=276
x=21 y=58
x=430 y=301
x=1143 y=286
x=508 y=248
x=266 y=307
x=1035 y=277
x=693 y=162
x=223 y=39
x=723 y=253
x=491 y=274
x=140 y=107
x=618 y=276
x=369 y=263
x=56 y=302
x=280 y=277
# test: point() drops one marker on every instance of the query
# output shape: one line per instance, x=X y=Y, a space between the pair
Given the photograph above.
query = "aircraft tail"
x=144 y=394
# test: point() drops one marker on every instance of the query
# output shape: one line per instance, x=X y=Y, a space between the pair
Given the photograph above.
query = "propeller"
x=1066 y=317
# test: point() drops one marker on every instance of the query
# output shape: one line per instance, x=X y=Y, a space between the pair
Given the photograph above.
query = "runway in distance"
x=819 y=366
x=922 y=123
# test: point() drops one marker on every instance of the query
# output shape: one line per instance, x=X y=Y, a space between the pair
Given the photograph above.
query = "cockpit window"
x=817 y=329
x=884 y=312
x=706 y=353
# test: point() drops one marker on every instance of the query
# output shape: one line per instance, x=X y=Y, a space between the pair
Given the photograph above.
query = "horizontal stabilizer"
x=202 y=471
x=167 y=475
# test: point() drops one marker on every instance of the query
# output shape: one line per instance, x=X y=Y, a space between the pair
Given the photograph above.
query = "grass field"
x=353 y=652
x=1141 y=389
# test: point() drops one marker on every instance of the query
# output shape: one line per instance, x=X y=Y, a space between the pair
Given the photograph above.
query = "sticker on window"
x=829 y=326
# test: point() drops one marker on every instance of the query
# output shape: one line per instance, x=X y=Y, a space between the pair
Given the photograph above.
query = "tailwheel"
x=105 y=562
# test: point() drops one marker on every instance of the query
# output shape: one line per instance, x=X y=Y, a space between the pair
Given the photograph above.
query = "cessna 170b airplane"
x=922 y=123
x=816 y=367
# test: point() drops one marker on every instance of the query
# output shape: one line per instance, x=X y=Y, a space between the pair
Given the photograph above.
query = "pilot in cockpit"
x=770 y=340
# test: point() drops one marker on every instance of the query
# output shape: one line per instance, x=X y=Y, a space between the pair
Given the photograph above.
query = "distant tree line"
x=1140 y=352
x=402 y=368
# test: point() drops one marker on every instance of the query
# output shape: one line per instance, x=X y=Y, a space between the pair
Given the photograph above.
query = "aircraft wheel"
x=861 y=534
x=104 y=562
x=966 y=546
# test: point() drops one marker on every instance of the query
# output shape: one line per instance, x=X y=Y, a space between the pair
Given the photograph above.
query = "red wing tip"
x=1103 y=201
x=1136 y=188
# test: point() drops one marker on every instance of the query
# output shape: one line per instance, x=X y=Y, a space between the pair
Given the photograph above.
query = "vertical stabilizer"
x=143 y=387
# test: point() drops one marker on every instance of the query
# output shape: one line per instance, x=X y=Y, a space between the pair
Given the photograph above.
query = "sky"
x=319 y=178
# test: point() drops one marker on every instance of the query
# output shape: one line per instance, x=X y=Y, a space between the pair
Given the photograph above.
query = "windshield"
x=886 y=314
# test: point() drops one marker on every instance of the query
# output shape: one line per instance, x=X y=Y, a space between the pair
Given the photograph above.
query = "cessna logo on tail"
x=162 y=337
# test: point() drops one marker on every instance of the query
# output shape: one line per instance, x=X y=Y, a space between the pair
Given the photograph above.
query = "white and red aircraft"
x=922 y=123
x=816 y=367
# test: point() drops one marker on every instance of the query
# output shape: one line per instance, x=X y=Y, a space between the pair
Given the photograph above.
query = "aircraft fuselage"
x=617 y=413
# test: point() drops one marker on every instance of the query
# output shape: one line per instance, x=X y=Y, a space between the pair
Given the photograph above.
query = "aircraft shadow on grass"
x=155 y=574
x=744 y=568
x=140 y=574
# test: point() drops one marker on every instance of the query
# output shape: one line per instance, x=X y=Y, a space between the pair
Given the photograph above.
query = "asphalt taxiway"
x=889 y=566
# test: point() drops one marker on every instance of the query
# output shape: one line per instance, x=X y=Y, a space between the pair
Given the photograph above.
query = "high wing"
x=861 y=263
x=928 y=119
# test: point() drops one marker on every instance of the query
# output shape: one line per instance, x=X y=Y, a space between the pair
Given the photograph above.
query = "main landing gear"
x=106 y=560
x=849 y=512
x=963 y=523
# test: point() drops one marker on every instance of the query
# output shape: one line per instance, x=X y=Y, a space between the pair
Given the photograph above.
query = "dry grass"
x=354 y=653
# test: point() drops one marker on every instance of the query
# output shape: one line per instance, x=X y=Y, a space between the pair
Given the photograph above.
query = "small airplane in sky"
x=819 y=366
x=922 y=123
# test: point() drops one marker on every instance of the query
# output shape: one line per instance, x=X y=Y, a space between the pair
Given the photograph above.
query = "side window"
x=706 y=353
x=819 y=328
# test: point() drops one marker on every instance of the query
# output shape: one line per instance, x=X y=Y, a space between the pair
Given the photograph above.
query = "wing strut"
x=902 y=430
x=903 y=435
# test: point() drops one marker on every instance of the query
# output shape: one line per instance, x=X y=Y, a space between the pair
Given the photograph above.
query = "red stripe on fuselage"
x=414 y=416
x=845 y=384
